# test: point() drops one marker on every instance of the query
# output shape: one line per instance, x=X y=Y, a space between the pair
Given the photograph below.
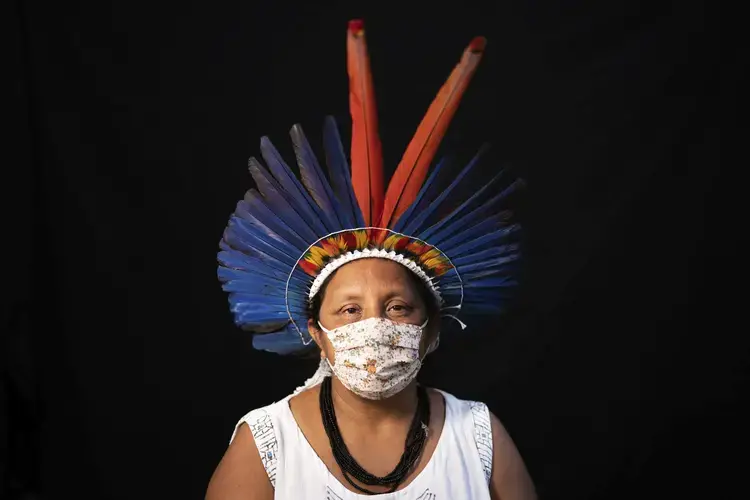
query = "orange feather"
x=367 y=156
x=412 y=170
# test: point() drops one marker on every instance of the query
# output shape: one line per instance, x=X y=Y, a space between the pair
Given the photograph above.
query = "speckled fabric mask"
x=376 y=357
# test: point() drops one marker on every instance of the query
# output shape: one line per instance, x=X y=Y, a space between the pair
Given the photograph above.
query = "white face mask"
x=376 y=357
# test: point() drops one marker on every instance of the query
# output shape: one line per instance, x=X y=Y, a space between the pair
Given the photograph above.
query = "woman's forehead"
x=371 y=274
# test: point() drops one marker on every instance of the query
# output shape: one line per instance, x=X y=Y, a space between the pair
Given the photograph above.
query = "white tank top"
x=460 y=466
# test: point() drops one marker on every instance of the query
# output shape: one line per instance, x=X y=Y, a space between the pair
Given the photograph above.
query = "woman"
x=367 y=275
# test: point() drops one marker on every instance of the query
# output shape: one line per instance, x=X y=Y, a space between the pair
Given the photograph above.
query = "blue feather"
x=419 y=220
x=480 y=242
x=286 y=341
x=340 y=175
x=458 y=212
x=265 y=262
x=506 y=281
x=261 y=328
x=249 y=301
x=239 y=235
x=232 y=241
x=280 y=202
x=297 y=295
x=455 y=222
x=258 y=267
x=265 y=295
x=478 y=293
x=259 y=319
x=299 y=273
x=426 y=193
x=269 y=279
x=491 y=297
x=488 y=264
x=258 y=316
x=234 y=259
x=468 y=233
x=313 y=179
x=297 y=193
x=480 y=300
x=257 y=206
x=487 y=254
x=487 y=307
x=478 y=276
x=262 y=282
x=249 y=261
x=242 y=211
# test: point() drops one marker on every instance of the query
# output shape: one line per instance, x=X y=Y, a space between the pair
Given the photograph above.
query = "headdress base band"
x=369 y=253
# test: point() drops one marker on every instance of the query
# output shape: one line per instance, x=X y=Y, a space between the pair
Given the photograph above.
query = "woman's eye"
x=399 y=309
x=350 y=310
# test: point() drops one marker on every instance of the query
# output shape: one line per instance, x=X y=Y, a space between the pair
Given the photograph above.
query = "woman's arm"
x=240 y=474
x=510 y=480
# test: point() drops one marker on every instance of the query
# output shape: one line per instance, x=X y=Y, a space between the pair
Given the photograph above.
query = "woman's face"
x=369 y=288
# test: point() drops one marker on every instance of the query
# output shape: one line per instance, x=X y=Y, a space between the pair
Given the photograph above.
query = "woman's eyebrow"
x=400 y=293
x=392 y=294
x=350 y=294
x=346 y=295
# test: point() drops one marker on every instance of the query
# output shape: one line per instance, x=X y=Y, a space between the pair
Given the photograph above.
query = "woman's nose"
x=374 y=311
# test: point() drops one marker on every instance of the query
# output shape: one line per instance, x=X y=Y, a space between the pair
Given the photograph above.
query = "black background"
x=617 y=372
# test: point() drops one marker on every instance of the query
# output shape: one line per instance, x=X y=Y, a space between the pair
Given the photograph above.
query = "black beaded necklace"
x=415 y=441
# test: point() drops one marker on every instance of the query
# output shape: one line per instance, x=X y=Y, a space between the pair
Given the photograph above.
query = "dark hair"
x=430 y=302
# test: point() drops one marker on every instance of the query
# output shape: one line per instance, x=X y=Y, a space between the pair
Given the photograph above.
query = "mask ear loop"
x=431 y=348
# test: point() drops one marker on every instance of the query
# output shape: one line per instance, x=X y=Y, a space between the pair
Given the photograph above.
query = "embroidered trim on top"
x=331 y=495
x=427 y=495
x=261 y=426
x=483 y=436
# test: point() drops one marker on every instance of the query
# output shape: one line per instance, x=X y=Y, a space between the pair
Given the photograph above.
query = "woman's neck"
x=374 y=413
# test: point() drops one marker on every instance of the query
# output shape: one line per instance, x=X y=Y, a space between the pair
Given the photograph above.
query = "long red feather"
x=367 y=156
x=412 y=170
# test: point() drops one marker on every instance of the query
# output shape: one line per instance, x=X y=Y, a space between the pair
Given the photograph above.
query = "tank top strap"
x=482 y=435
x=473 y=417
x=263 y=425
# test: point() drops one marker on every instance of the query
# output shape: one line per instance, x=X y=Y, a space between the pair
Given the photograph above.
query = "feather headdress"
x=289 y=235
